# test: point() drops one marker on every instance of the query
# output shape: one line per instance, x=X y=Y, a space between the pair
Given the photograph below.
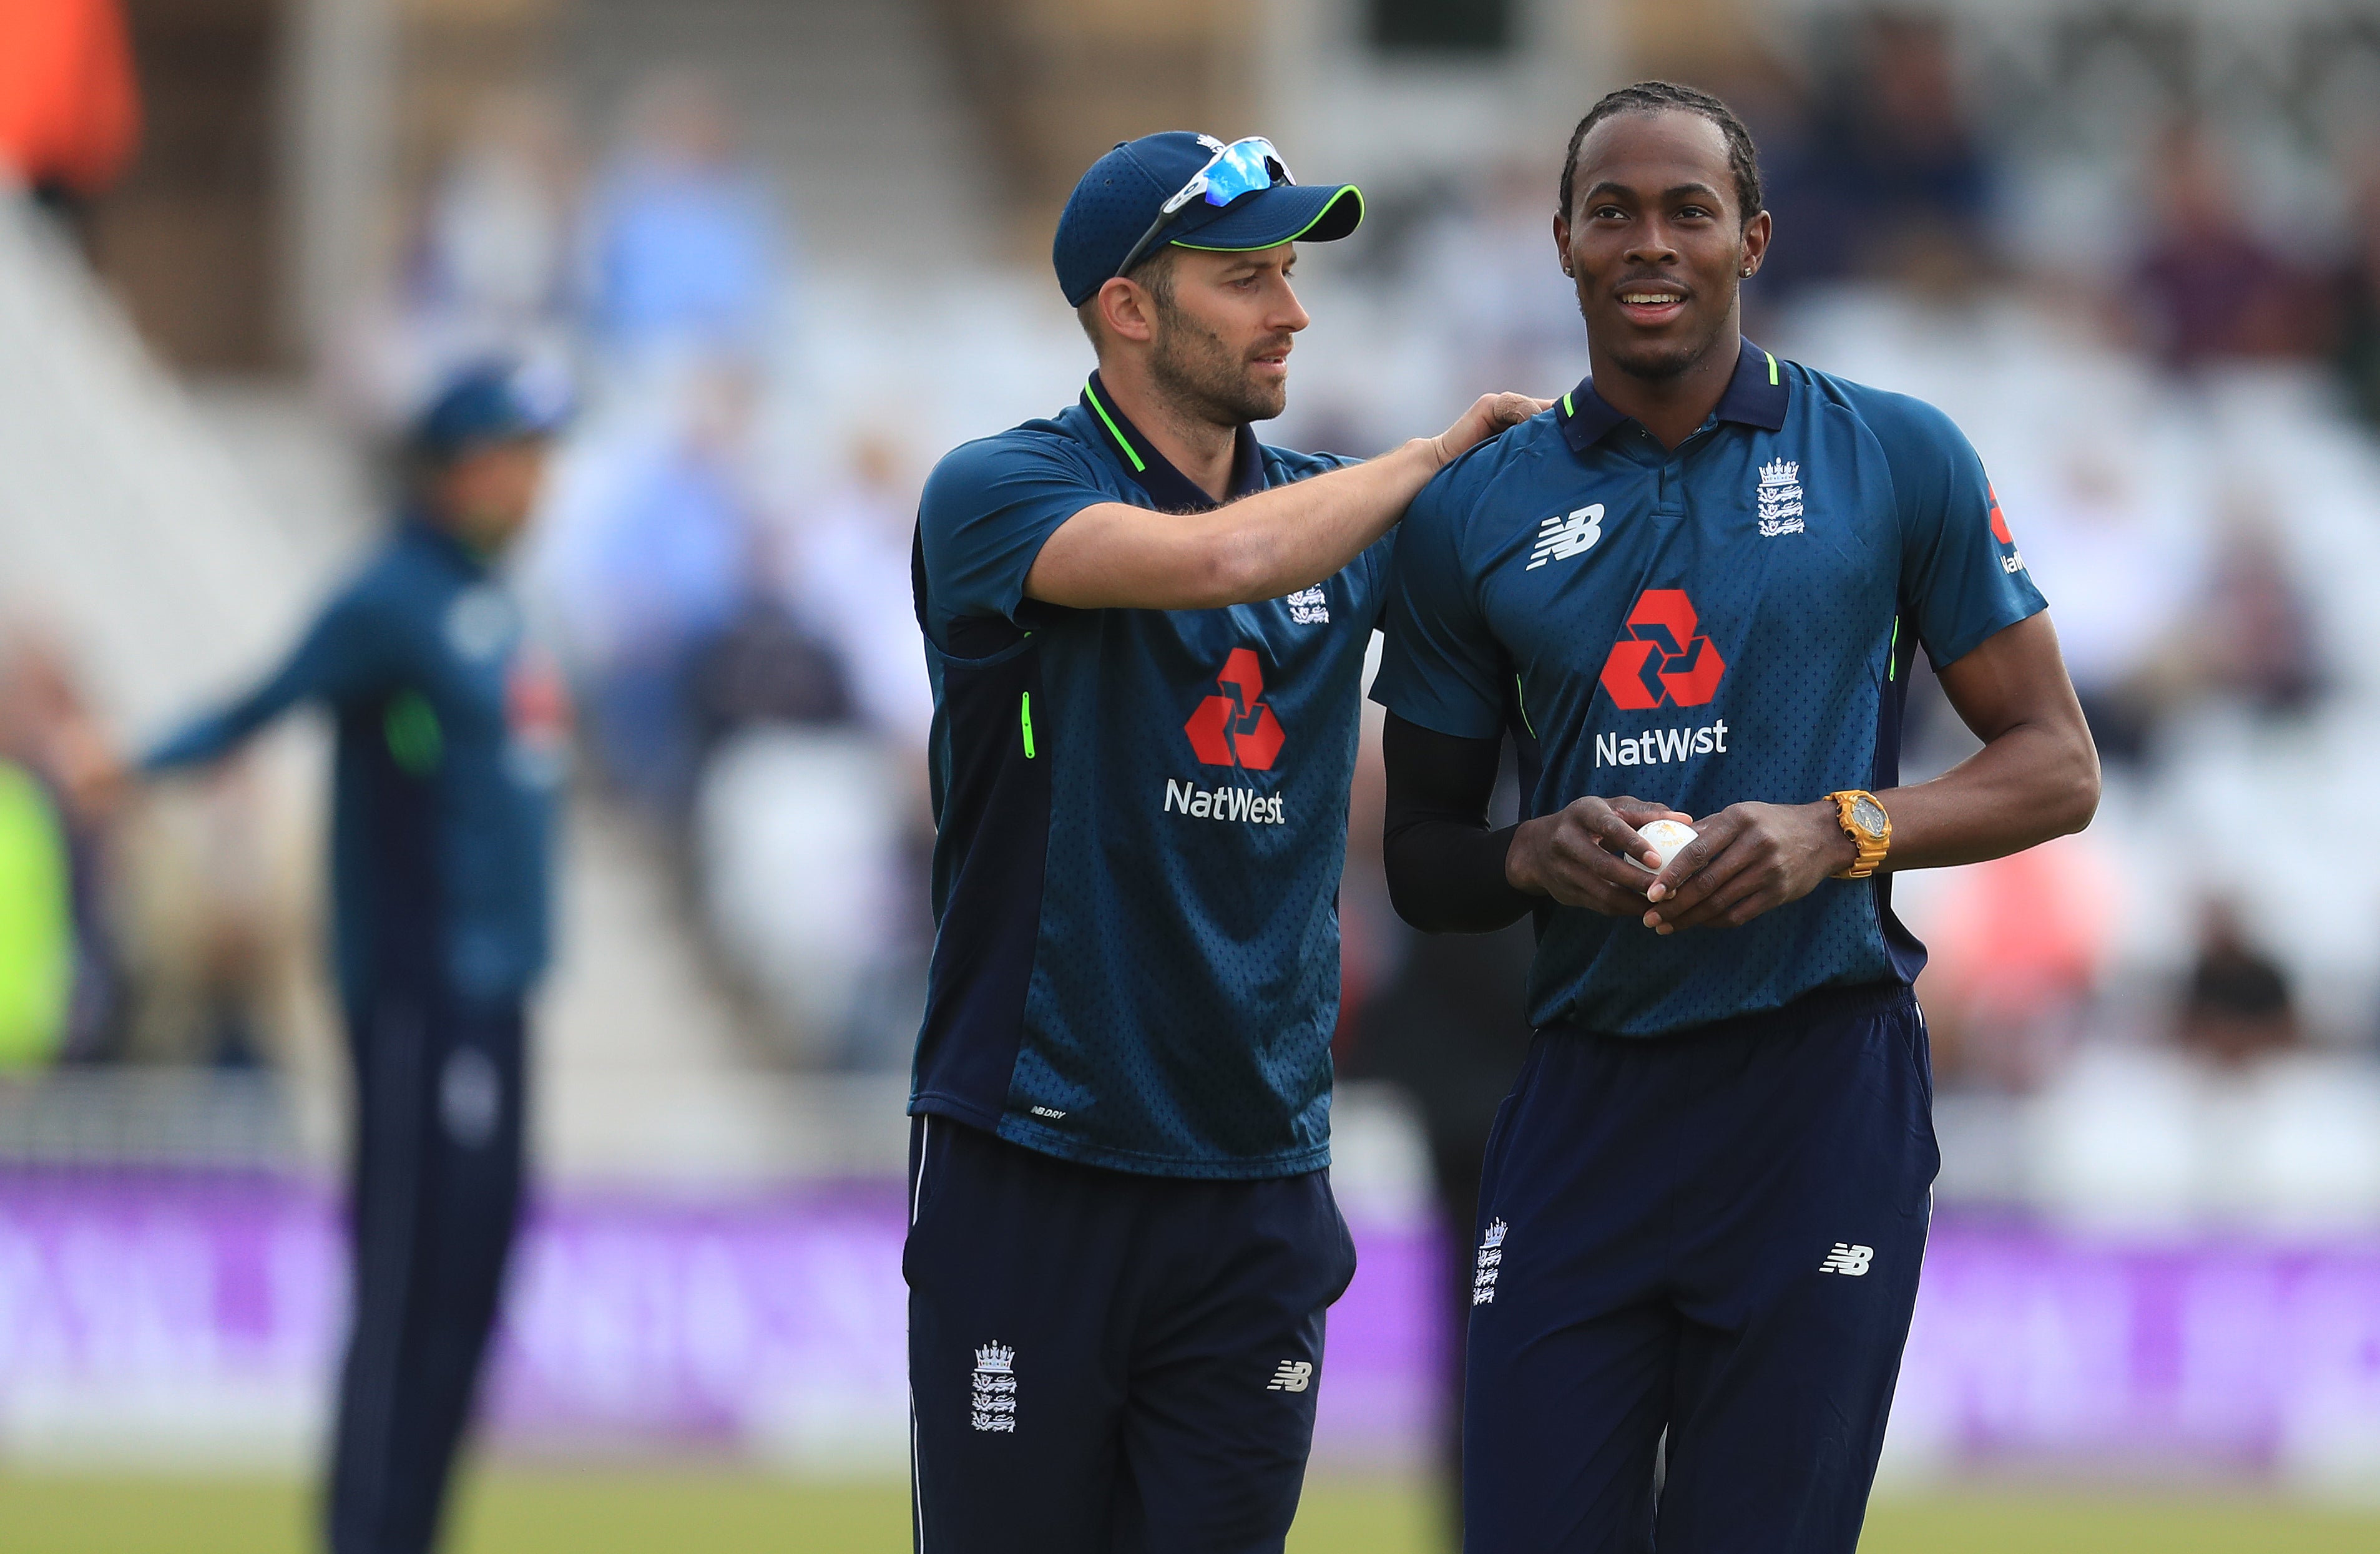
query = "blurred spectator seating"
x=798 y=836
x=2209 y=287
x=2237 y=1007
x=492 y=266
x=845 y=576
x=1881 y=176
x=685 y=245
x=647 y=558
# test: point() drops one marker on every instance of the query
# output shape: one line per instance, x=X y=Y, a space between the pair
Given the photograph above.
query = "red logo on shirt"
x=2000 y=522
x=1661 y=662
x=1237 y=728
x=536 y=707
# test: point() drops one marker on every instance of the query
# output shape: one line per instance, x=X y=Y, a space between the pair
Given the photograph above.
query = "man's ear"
x=1756 y=240
x=1561 y=241
x=1126 y=311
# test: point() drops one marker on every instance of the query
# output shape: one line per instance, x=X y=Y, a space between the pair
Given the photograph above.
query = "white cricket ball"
x=1666 y=837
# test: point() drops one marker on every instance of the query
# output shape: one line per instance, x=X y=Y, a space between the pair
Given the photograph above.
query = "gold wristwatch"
x=1870 y=829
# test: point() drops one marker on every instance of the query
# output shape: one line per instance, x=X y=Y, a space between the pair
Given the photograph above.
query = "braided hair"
x=1654 y=97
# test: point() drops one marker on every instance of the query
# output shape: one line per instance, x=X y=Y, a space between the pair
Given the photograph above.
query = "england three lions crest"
x=1778 y=498
x=994 y=1389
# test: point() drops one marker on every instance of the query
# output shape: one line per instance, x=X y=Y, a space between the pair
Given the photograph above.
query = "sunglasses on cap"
x=1242 y=167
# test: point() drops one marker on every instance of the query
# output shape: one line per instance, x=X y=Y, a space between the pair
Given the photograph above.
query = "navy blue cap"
x=1124 y=189
x=492 y=402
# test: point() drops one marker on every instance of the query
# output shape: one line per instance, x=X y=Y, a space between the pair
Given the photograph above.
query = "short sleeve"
x=1962 y=578
x=987 y=510
x=1439 y=667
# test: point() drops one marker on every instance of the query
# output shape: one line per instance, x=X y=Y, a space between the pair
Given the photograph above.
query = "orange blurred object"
x=69 y=107
x=2019 y=937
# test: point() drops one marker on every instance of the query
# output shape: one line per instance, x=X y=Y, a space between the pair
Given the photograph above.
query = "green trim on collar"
x=1138 y=468
x=1772 y=368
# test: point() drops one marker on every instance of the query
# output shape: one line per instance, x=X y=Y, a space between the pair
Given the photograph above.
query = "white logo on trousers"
x=1847 y=1259
x=994 y=1403
x=1490 y=1266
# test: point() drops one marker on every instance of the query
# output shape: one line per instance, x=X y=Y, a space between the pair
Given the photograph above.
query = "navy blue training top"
x=1141 y=814
x=1731 y=620
x=450 y=742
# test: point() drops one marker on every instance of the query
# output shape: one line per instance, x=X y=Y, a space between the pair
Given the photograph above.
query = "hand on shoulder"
x=1488 y=415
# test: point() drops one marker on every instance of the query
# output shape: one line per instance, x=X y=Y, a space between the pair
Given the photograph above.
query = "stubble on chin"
x=1203 y=374
x=1660 y=360
x=1654 y=360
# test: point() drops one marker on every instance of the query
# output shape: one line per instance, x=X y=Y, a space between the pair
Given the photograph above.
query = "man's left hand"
x=1747 y=859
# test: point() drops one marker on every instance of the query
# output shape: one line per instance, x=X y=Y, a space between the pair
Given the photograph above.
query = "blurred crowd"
x=735 y=626
x=732 y=620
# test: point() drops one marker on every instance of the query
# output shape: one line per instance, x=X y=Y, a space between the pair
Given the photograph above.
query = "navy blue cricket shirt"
x=1731 y=620
x=450 y=742
x=1141 y=817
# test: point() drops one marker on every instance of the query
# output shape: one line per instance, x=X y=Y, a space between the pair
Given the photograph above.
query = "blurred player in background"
x=449 y=744
x=1702 y=580
x=1146 y=631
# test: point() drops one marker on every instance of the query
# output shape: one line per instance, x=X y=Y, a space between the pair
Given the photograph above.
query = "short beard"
x=1659 y=363
x=1202 y=375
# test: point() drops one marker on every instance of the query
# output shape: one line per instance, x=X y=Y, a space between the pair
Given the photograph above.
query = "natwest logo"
x=1661 y=661
x=1237 y=728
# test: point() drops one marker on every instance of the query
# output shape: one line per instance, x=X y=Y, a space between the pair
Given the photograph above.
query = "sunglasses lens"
x=1243 y=168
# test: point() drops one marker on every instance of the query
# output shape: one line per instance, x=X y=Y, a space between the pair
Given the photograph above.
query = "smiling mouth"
x=1651 y=296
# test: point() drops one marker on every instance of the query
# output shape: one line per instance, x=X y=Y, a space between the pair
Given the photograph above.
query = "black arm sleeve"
x=1445 y=867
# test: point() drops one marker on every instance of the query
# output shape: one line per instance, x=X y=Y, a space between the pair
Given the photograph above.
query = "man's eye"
x=1608 y=213
x=1693 y=212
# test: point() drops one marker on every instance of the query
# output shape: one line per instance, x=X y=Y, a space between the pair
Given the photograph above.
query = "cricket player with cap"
x=1146 y=631
x=450 y=730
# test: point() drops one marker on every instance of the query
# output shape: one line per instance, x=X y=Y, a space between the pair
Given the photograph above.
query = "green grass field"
x=643 y=1511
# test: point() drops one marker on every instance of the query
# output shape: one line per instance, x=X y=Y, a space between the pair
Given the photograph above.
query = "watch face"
x=1868 y=814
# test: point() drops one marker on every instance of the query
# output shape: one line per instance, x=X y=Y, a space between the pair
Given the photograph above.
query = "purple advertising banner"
x=200 y=1316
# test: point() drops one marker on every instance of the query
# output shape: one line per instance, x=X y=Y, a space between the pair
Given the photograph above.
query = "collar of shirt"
x=441 y=541
x=1756 y=396
x=1171 y=490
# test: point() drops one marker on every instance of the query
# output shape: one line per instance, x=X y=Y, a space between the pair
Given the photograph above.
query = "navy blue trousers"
x=436 y=1196
x=1709 y=1241
x=1101 y=1362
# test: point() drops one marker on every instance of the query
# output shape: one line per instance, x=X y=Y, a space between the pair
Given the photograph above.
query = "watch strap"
x=1871 y=847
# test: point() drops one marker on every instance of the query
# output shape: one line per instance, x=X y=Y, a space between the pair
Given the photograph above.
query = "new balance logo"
x=1291 y=1375
x=1558 y=538
x=1848 y=1259
x=1491 y=1265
